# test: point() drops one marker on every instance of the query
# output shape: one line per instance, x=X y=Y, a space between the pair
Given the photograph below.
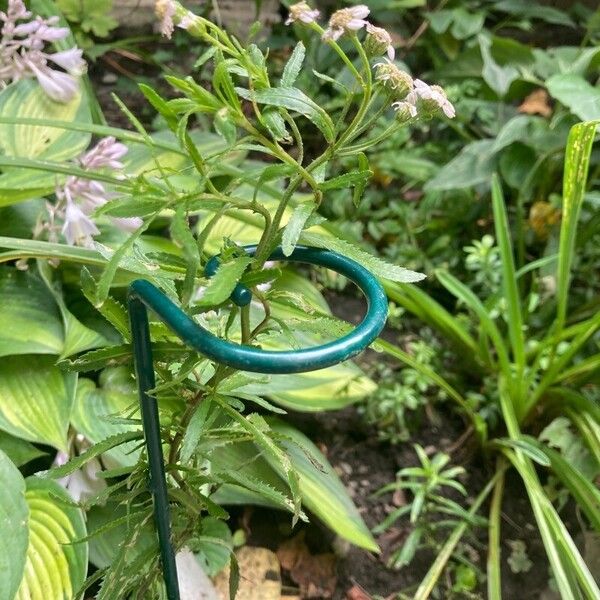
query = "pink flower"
x=70 y=60
x=61 y=87
x=78 y=228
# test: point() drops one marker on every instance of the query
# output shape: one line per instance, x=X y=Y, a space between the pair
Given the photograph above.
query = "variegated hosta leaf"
x=13 y=528
x=96 y=409
x=258 y=481
x=77 y=337
x=29 y=319
x=26 y=99
x=322 y=491
x=36 y=399
x=55 y=567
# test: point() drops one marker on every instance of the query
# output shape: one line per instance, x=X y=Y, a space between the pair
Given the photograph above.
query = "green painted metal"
x=143 y=296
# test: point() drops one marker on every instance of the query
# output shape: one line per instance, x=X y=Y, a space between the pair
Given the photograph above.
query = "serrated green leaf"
x=376 y=265
x=223 y=282
x=36 y=399
x=293 y=66
x=14 y=535
x=56 y=567
x=350 y=179
x=359 y=187
x=295 y=100
x=294 y=227
x=275 y=123
x=96 y=450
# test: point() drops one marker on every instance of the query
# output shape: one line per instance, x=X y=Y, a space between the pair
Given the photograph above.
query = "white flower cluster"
x=346 y=21
x=77 y=198
x=171 y=14
x=22 y=41
x=424 y=100
x=413 y=98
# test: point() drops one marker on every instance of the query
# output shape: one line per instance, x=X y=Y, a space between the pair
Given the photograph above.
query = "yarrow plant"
x=23 y=53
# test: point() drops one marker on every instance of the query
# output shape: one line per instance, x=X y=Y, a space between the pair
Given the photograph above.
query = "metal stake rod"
x=143 y=295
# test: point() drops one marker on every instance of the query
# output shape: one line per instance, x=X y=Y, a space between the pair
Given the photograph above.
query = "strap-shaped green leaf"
x=13 y=530
x=36 y=399
x=56 y=567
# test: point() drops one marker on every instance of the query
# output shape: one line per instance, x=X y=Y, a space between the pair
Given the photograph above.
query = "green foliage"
x=307 y=150
x=428 y=504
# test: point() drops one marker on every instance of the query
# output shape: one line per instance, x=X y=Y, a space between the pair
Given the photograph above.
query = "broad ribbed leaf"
x=96 y=409
x=13 y=528
x=295 y=100
x=26 y=99
x=77 y=337
x=376 y=265
x=36 y=399
x=321 y=490
x=56 y=567
x=582 y=98
x=29 y=319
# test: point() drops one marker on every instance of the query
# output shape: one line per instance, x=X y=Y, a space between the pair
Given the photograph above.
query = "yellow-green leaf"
x=36 y=399
x=29 y=319
x=55 y=567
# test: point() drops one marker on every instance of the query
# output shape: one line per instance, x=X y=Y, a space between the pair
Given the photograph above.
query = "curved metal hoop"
x=144 y=295
x=247 y=358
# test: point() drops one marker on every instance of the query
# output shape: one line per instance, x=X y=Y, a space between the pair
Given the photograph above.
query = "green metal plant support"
x=143 y=296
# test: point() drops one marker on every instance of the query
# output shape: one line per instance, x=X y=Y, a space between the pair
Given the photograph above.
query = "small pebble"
x=109 y=78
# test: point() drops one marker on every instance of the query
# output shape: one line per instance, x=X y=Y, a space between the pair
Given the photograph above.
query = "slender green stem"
x=316 y=27
x=245 y=324
x=494 y=580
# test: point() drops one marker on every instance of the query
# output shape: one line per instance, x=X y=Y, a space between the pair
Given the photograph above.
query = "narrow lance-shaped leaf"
x=295 y=100
x=183 y=236
x=376 y=265
x=358 y=178
x=293 y=66
x=577 y=160
x=295 y=225
x=509 y=280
